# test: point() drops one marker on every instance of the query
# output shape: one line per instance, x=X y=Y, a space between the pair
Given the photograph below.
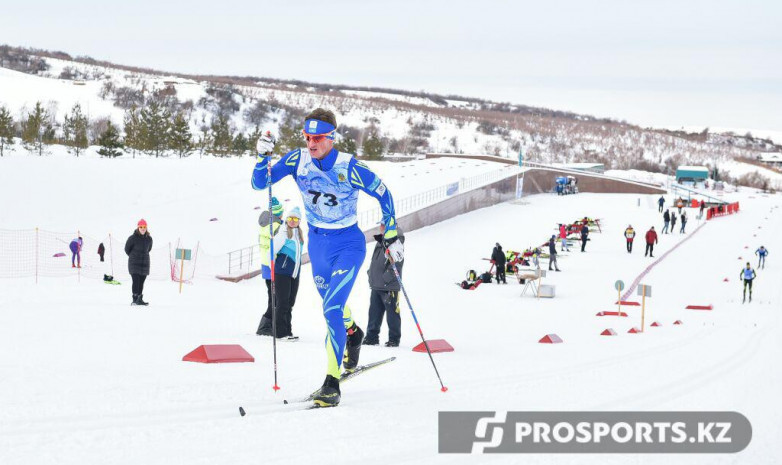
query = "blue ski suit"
x=337 y=247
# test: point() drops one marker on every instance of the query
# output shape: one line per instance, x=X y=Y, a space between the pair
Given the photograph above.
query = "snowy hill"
x=407 y=122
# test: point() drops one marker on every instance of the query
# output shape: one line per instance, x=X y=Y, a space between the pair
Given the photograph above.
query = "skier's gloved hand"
x=265 y=145
x=395 y=249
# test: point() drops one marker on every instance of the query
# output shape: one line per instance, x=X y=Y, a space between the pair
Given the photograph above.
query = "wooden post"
x=182 y=269
x=540 y=273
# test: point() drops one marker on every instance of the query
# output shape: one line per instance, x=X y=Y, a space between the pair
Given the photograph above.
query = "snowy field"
x=87 y=379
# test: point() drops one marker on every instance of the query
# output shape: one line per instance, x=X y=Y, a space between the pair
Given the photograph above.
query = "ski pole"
x=271 y=257
x=410 y=306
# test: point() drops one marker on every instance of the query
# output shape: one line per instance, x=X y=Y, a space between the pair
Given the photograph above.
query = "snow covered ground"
x=86 y=378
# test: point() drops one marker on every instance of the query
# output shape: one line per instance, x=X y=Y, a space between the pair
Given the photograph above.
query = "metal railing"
x=244 y=258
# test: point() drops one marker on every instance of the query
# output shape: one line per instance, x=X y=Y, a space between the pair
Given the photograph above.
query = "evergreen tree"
x=75 y=130
x=372 y=147
x=154 y=128
x=33 y=129
x=346 y=145
x=181 y=140
x=132 y=128
x=6 y=129
x=204 y=139
x=252 y=139
x=109 y=142
x=240 y=145
x=290 y=137
x=221 y=136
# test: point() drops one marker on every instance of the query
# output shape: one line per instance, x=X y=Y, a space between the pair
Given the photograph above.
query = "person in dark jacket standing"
x=683 y=218
x=385 y=294
x=101 y=251
x=673 y=222
x=667 y=219
x=660 y=203
x=584 y=236
x=552 y=253
x=498 y=257
x=137 y=247
x=651 y=239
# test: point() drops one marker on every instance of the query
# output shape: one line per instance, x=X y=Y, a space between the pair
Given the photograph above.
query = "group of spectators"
x=288 y=242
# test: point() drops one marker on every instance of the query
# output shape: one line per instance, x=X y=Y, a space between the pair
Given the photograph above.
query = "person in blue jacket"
x=761 y=253
x=288 y=246
x=330 y=181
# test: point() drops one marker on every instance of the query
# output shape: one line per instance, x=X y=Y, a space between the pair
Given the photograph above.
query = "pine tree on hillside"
x=372 y=147
x=252 y=140
x=155 y=128
x=346 y=145
x=240 y=145
x=132 y=128
x=33 y=129
x=221 y=136
x=75 y=130
x=204 y=140
x=109 y=142
x=180 y=140
x=6 y=129
x=290 y=137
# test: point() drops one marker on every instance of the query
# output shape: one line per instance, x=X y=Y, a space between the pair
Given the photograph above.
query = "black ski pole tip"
x=242 y=412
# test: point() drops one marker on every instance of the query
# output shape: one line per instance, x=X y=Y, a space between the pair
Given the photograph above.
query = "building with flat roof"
x=691 y=174
x=771 y=159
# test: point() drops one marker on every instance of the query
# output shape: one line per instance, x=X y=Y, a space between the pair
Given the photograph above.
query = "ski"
x=345 y=377
x=294 y=405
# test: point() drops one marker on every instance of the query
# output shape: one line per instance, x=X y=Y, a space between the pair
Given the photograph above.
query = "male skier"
x=761 y=253
x=329 y=182
x=747 y=274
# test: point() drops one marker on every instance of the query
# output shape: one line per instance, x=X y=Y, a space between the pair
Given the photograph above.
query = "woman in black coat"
x=137 y=247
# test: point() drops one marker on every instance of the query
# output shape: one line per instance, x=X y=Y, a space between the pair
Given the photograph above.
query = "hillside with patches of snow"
x=407 y=122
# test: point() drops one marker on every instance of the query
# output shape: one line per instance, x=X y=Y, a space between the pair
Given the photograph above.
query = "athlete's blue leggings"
x=336 y=256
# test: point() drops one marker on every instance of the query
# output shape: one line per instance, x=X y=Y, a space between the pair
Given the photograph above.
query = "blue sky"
x=661 y=63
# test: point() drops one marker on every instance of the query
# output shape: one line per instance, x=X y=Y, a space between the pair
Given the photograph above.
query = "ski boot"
x=140 y=300
x=352 y=348
x=135 y=300
x=392 y=344
x=329 y=394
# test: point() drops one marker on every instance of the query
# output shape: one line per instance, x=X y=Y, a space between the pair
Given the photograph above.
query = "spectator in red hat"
x=137 y=247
